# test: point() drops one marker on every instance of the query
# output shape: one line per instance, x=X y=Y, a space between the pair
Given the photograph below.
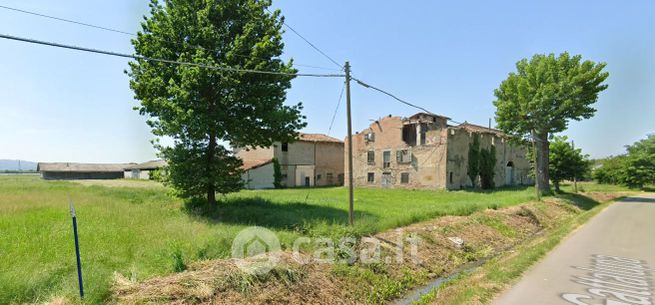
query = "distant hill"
x=14 y=165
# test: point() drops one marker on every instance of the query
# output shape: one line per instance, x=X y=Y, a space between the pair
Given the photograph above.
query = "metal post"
x=350 y=148
x=575 y=179
x=77 y=251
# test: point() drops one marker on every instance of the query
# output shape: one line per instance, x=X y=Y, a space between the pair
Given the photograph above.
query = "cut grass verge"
x=483 y=284
x=484 y=233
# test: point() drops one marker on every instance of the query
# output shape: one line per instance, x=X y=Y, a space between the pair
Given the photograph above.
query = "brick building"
x=423 y=151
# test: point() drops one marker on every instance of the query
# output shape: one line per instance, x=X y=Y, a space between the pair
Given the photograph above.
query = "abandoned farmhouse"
x=420 y=151
x=312 y=160
x=423 y=151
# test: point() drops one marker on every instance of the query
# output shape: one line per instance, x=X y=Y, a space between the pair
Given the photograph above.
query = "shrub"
x=277 y=174
x=487 y=164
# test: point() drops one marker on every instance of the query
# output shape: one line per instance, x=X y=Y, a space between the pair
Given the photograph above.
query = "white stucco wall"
x=304 y=172
x=259 y=178
x=137 y=174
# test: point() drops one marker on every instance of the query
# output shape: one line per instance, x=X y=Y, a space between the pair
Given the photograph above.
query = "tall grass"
x=143 y=232
x=586 y=186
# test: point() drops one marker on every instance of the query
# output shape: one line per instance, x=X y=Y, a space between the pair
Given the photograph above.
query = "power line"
x=363 y=84
x=153 y=59
x=135 y=35
x=68 y=20
x=311 y=44
x=456 y=122
x=311 y=66
x=336 y=109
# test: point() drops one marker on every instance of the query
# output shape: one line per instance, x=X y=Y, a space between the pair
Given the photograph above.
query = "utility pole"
x=350 y=147
x=575 y=179
x=536 y=167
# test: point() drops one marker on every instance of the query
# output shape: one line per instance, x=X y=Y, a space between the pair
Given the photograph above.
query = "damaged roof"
x=480 y=129
x=424 y=114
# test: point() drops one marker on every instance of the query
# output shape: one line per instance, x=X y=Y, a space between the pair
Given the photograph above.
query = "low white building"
x=143 y=170
x=258 y=174
x=312 y=160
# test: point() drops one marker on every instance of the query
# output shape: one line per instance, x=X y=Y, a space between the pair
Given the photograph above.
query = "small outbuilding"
x=143 y=170
x=258 y=174
x=311 y=160
x=72 y=171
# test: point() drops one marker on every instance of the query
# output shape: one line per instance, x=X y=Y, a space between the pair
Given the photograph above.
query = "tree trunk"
x=211 y=187
x=543 y=150
x=556 y=184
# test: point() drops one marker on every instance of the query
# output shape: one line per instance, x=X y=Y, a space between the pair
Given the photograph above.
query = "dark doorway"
x=509 y=173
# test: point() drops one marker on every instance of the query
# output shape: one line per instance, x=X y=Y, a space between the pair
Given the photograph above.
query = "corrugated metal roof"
x=81 y=167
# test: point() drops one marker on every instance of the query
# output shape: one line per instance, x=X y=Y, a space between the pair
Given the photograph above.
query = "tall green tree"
x=645 y=146
x=639 y=163
x=609 y=170
x=202 y=109
x=566 y=162
x=543 y=95
x=636 y=168
x=473 y=169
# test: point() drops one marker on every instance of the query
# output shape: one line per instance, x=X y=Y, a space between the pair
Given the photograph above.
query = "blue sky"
x=61 y=105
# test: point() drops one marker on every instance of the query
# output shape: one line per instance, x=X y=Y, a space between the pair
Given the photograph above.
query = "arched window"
x=509 y=173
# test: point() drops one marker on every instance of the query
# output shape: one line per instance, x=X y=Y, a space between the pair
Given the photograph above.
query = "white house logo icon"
x=256 y=250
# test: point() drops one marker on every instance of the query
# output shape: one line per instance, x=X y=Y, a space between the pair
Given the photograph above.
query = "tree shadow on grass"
x=639 y=199
x=581 y=201
x=516 y=188
x=258 y=211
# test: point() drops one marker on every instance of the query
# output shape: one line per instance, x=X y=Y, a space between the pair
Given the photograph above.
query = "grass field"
x=142 y=232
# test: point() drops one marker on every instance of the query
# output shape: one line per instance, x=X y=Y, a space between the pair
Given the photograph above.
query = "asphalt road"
x=609 y=261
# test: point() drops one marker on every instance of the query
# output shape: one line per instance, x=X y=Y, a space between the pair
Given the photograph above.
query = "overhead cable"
x=153 y=59
x=135 y=35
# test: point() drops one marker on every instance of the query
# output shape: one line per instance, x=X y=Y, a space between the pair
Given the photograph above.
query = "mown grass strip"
x=482 y=285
